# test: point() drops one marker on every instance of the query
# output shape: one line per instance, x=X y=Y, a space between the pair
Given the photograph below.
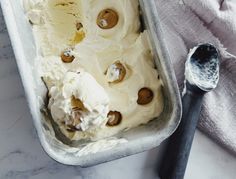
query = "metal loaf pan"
x=140 y=139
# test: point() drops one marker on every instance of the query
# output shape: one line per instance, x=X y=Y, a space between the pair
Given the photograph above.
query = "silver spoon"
x=202 y=75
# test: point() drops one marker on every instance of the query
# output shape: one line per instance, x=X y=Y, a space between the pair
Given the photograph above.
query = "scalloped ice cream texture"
x=95 y=50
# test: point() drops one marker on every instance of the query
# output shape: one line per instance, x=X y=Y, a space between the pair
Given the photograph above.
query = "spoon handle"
x=175 y=158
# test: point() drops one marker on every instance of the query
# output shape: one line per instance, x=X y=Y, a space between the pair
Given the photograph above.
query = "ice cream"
x=79 y=102
x=125 y=13
x=97 y=65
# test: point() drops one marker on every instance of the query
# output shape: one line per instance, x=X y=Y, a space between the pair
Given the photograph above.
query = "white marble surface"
x=21 y=156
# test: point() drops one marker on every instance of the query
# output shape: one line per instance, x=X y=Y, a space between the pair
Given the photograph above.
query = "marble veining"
x=22 y=157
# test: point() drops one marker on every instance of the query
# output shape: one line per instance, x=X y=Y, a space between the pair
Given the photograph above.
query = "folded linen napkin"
x=186 y=23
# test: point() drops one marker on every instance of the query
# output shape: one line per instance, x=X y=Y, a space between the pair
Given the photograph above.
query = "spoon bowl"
x=202 y=67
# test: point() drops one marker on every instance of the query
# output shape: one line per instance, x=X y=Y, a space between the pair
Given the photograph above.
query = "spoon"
x=202 y=75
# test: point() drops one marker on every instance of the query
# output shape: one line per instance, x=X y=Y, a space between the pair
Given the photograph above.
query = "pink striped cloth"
x=185 y=24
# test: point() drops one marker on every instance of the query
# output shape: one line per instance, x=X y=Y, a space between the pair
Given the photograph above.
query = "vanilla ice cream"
x=91 y=108
x=97 y=65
